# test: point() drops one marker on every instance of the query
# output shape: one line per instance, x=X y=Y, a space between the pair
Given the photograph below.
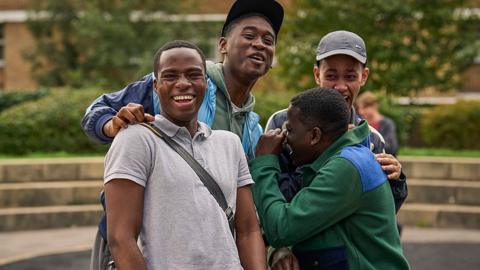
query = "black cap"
x=271 y=9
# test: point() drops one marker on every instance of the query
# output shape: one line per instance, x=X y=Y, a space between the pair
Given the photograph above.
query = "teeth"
x=257 y=57
x=186 y=97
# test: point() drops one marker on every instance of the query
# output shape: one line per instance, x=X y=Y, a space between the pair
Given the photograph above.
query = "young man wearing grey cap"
x=341 y=65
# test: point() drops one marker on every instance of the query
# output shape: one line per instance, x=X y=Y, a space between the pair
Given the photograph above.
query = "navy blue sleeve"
x=387 y=129
x=399 y=191
x=398 y=186
x=276 y=120
x=107 y=105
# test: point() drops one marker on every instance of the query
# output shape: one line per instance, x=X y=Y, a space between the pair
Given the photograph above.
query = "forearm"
x=93 y=122
x=399 y=191
x=127 y=255
x=251 y=250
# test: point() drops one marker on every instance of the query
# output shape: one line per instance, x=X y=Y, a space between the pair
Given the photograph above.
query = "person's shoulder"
x=136 y=131
x=277 y=119
x=369 y=170
x=388 y=120
x=224 y=135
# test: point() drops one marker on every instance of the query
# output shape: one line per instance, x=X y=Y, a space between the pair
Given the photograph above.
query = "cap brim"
x=358 y=57
x=272 y=10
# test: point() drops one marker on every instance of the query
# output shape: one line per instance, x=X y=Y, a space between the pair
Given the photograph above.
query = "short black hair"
x=231 y=25
x=172 y=45
x=324 y=108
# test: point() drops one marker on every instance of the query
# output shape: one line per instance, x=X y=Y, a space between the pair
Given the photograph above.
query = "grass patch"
x=438 y=152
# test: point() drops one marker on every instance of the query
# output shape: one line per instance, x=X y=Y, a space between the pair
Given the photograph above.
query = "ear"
x=222 y=45
x=315 y=136
x=155 y=84
x=365 y=73
x=316 y=74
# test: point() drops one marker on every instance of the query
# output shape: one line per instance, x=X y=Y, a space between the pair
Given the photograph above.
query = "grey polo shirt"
x=183 y=227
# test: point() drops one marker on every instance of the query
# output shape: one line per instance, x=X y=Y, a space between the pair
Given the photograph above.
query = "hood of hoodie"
x=215 y=72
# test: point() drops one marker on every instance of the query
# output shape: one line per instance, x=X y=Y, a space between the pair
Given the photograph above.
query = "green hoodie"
x=225 y=117
x=345 y=205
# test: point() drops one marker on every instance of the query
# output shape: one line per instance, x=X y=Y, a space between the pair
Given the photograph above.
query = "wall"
x=17 y=71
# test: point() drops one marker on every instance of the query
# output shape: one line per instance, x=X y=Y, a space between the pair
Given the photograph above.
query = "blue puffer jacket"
x=142 y=92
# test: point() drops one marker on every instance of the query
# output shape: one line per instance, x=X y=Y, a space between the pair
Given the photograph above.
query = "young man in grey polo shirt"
x=153 y=193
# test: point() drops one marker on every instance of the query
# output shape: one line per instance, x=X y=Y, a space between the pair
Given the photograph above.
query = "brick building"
x=16 y=39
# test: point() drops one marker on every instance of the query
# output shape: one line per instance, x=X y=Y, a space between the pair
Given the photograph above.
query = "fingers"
x=132 y=113
x=149 y=117
x=295 y=264
x=390 y=165
x=283 y=259
x=351 y=126
x=118 y=123
x=288 y=262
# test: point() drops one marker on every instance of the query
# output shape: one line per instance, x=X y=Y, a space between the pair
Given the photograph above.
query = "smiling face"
x=342 y=73
x=249 y=47
x=180 y=84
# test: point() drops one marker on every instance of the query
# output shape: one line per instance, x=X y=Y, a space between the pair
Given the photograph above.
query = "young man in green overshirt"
x=343 y=217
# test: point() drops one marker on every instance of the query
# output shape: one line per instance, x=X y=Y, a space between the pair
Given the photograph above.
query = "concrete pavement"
x=425 y=248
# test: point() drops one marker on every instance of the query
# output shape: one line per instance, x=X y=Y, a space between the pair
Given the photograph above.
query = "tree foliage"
x=411 y=45
x=107 y=43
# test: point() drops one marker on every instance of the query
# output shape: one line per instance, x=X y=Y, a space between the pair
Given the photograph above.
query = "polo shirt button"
x=315 y=263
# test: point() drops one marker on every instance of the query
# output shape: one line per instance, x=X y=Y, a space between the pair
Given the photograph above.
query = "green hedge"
x=10 y=99
x=49 y=124
x=452 y=126
x=267 y=103
x=52 y=123
x=407 y=120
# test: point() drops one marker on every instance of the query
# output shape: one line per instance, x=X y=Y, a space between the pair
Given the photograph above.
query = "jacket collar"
x=215 y=72
x=358 y=135
x=173 y=130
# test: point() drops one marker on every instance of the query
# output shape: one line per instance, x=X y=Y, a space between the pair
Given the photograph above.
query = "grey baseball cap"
x=342 y=42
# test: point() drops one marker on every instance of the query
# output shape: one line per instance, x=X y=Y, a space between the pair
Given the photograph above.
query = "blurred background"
x=57 y=56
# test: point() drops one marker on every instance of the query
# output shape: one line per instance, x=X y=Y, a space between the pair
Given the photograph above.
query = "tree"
x=411 y=45
x=107 y=43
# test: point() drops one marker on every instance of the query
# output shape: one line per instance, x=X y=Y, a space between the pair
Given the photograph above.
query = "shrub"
x=453 y=126
x=49 y=124
x=267 y=103
x=9 y=99
x=407 y=121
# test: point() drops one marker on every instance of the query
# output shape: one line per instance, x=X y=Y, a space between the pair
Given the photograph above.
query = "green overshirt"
x=332 y=209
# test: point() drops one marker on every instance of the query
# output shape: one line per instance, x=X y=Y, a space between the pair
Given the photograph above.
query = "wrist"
x=108 y=129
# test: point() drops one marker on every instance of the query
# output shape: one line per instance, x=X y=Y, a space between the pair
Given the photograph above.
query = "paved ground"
x=426 y=249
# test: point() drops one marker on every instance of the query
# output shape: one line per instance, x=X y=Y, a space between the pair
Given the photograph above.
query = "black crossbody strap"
x=204 y=176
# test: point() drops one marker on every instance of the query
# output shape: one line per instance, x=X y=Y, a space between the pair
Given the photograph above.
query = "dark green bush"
x=407 y=119
x=453 y=126
x=267 y=103
x=9 y=99
x=49 y=124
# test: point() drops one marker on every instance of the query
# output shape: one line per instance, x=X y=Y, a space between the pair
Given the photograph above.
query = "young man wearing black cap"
x=247 y=44
x=341 y=65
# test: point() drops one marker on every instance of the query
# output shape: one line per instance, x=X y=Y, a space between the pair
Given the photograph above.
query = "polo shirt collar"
x=173 y=130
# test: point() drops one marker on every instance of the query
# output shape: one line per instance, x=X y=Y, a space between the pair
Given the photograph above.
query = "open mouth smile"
x=257 y=57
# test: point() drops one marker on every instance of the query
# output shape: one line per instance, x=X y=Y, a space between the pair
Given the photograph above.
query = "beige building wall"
x=471 y=79
x=17 y=73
